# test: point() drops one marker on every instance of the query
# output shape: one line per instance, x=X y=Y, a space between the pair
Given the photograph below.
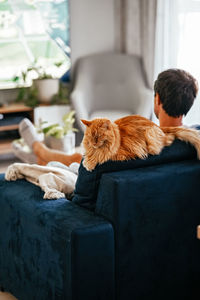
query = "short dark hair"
x=177 y=90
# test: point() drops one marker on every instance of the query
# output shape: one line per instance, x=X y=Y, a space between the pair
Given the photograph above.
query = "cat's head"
x=99 y=133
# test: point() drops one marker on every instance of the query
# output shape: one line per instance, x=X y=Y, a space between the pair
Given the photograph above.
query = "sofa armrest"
x=155 y=212
x=52 y=249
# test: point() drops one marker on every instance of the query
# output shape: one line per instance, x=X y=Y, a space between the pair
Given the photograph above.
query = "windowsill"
x=12 y=87
x=8 y=87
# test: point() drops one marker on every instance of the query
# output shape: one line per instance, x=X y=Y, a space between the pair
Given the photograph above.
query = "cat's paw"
x=88 y=165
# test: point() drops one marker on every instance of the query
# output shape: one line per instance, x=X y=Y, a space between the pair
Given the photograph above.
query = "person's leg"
x=43 y=153
x=40 y=161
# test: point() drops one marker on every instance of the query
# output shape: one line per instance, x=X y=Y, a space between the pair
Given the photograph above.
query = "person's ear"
x=157 y=99
x=85 y=122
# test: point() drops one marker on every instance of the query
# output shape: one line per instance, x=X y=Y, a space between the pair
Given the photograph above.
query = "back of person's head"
x=177 y=90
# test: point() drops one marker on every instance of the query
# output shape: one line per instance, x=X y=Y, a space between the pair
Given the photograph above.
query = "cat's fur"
x=130 y=137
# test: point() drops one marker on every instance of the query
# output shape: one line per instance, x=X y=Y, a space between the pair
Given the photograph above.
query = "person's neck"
x=167 y=121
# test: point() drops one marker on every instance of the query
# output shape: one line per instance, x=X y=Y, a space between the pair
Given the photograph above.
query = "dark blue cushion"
x=52 y=249
x=155 y=212
x=87 y=184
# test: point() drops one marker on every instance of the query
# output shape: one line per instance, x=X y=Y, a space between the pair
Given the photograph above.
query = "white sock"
x=27 y=157
x=28 y=132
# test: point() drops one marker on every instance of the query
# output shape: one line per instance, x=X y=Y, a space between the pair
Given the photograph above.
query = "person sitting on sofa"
x=174 y=93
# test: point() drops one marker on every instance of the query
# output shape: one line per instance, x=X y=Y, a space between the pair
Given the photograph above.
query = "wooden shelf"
x=14 y=108
x=5 y=146
x=9 y=127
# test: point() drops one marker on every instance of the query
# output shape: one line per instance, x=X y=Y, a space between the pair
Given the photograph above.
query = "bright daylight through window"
x=33 y=31
x=189 y=48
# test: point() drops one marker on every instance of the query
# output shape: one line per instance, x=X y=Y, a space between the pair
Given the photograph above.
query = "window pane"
x=188 y=55
x=56 y=18
x=12 y=58
x=30 y=30
x=46 y=49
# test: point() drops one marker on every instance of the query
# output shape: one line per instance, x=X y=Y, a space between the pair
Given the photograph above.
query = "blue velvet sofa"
x=128 y=233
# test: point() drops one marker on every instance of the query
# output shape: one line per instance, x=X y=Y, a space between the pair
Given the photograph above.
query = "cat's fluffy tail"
x=189 y=135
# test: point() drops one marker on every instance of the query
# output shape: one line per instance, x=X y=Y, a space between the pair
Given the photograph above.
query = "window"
x=32 y=30
x=178 y=45
x=188 y=57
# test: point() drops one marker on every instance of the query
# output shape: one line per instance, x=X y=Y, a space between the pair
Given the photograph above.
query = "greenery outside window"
x=33 y=30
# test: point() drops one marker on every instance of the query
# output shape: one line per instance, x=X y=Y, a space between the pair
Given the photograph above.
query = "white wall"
x=92 y=27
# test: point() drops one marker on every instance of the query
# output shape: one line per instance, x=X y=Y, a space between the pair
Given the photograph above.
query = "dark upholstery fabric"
x=137 y=241
x=52 y=249
x=87 y=184
x=155 y=212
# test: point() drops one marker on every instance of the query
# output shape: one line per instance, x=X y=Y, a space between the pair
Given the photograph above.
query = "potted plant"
x=45 y=83
x=45 y=86
x=60 y=137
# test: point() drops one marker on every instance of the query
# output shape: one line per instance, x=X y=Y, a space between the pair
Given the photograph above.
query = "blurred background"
x=32 y=31
x=61 y=31
x=47 y=39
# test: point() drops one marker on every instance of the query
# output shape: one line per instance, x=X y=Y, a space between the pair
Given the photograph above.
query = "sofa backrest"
x=155 y=212
x=87 y=184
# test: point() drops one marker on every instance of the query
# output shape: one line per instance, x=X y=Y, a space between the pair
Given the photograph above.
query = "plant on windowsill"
x=45 y=83
x=28 y=95
x=45 y=87
x=60 y=137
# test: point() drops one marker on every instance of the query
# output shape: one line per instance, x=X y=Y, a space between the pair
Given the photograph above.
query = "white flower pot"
x=65 y=144
x=46 y=88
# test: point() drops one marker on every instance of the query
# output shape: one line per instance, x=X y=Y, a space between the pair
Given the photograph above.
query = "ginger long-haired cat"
x=130 y=137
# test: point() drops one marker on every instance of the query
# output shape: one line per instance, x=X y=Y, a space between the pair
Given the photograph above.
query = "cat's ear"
x=85 y=122
x=106 y=124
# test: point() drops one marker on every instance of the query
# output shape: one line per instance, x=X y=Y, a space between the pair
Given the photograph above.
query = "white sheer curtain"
x=178 y=43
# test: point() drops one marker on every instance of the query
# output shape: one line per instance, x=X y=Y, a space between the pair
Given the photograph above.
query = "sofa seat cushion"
x=47 y=246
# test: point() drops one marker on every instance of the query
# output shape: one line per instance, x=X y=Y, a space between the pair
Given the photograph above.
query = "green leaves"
x=28 y=95
x=63 y=95
x=57 y=130
x=68 y=120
